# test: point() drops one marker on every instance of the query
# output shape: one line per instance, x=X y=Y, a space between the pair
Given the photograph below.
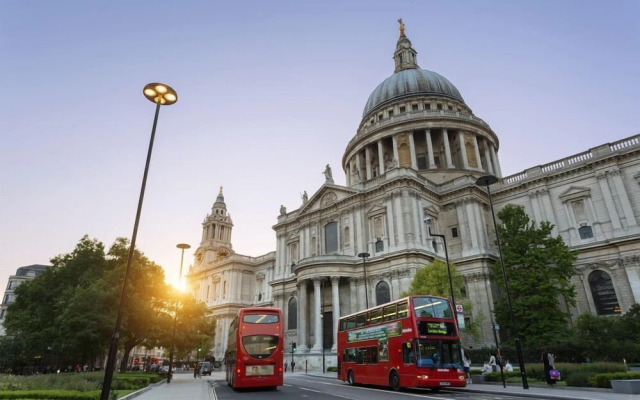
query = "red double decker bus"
x=255 y=348
x=411 y=342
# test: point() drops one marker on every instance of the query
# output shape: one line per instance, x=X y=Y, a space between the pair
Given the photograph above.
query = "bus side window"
x=402 y=310
x=360 y=320
x=407 y=353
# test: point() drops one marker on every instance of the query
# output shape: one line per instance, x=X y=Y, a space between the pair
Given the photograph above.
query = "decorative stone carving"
x=630 y=260
x=328 y=199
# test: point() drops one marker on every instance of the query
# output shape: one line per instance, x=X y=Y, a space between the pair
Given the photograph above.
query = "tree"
x=433 y=279
x=539 y=268
x=37 y=316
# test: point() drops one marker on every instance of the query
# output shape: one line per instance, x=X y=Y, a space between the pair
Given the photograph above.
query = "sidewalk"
x=184 y=387
x=538 y=392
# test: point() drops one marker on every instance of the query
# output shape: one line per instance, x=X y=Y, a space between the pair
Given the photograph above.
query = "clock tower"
x=216 y=234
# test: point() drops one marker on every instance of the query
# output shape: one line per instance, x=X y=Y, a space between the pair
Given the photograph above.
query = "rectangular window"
x=403 y=109
x=422 y=163
x=454 y=232
x=360 y=319
x=414 y=107
x=331 y=238
x=439 y=106
x=389 y=312
x=402 y=310
x=390 y=113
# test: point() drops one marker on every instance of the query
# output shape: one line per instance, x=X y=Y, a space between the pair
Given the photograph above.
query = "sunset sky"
x=269 y=93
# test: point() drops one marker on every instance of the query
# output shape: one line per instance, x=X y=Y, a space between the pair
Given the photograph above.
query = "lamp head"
x=428 y=221
x=160 y=93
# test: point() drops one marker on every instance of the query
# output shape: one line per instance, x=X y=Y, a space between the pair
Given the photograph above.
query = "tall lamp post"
x=160 y=94
x=183 y=247
x=364 y=266
x=486 y=181
x=428 y=221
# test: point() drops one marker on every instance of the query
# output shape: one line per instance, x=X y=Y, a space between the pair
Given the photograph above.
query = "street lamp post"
x=181 y=246
x=453 y=300
x=364 y=266
x=160 y=94
x=486 y=181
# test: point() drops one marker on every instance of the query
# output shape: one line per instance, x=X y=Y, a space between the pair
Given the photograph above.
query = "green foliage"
x=538 y=268
x=579 y=378
x=51 y=394
x=433 y=279
x=332 y=369
x=604 y=380
x=66 y=315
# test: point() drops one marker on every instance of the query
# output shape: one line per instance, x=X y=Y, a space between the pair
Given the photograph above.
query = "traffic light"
x=293 y=347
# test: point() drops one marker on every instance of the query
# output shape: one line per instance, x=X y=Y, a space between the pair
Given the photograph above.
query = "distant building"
x=22 y=274
x=417 y=154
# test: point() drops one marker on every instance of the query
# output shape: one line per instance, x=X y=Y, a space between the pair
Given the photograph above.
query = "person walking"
x=467 y=368
x=492 y=363
x=293 y=365
x=548 y=362
x=285 y=366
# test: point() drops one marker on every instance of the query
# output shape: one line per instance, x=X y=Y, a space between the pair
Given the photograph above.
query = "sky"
x=269 y=92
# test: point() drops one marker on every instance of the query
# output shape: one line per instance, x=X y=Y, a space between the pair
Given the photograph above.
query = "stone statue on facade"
x=327 y=174
x=283 y=209
x=401 y=26
x=305 y=197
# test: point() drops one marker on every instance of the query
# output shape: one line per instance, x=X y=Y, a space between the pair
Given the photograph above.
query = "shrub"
x=579 y=378
x=604 y=380
x=332 y=369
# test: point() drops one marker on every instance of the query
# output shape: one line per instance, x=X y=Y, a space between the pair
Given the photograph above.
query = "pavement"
x=184 y=386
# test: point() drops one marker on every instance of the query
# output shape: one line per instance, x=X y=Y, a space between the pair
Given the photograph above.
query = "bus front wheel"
x=351 y=379
x=394 y=381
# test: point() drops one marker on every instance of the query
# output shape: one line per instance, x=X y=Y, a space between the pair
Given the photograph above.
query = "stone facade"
x=417 y=154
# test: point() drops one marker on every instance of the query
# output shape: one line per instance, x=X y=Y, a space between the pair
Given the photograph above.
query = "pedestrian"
x=492 y=363
x=486 y=368
x=293 y=365
x=285 y=366
x=508 y=367
x=548 y=361
x=467 y=367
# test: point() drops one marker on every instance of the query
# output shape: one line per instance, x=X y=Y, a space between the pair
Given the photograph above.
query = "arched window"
x=293 y=314
x=604 y=296
x=383 y=294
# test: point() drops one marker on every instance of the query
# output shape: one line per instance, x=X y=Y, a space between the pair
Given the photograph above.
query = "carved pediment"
x=575 y=192
x=327 y=196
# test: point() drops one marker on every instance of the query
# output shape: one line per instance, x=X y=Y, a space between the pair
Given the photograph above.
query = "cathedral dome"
x=411 y=82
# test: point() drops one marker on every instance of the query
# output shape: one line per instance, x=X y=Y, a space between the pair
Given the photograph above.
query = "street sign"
x=496 y=327
x=459 y=308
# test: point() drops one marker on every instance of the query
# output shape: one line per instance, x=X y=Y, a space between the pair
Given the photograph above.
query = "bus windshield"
x=431 y=307
x=260 y=346
x=438 y=353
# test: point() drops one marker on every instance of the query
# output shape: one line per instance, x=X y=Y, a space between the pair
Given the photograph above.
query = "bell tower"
x=216 y=233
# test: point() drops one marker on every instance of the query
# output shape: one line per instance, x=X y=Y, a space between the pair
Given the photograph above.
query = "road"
x=319 y=388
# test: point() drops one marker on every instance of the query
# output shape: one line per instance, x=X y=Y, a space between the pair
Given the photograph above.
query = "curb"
x=143 y=390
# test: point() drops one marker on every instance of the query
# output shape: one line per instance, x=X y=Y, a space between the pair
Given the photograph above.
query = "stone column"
x=302 y=316
x=353 y=292
x=367 y=161
x=396 y=156
x=476 y=149
x=496 y=163
x=463 y=150
x=412 y=149
x=380 y=158
x=432 y=161
x=390 y=230
x=317 y=346
x=447 y=149
x=608 y=200
x=335 y=292
x=487 y=157
x=623 y=197
x=399 y=209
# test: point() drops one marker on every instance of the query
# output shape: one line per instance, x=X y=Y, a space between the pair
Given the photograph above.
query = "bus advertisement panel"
x=411 y=342
x=254 y=356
